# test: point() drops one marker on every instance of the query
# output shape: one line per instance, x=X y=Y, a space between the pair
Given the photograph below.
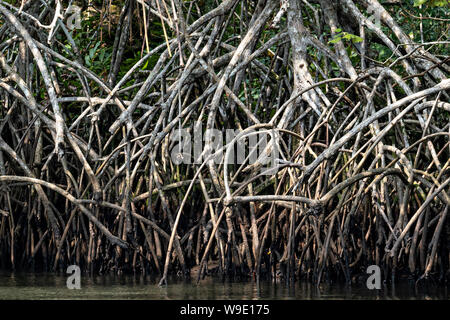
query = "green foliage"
x=431 y=3
x=342 y=35
x=98 y=58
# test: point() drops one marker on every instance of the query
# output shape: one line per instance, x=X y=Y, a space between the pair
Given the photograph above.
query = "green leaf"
x=335 y=40
x=356 y=39
x=439 y=3
x=431 y=3
x=145 y=65
x=419 y=2
x=101 y=56
x=347 y=36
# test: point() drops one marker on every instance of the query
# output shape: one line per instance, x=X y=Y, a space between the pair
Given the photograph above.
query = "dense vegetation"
x=353 y=95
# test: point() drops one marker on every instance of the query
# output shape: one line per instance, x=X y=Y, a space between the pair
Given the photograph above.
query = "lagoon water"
x=37 y=286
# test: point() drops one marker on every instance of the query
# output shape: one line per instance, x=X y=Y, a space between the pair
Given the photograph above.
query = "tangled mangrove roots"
x=92 y=174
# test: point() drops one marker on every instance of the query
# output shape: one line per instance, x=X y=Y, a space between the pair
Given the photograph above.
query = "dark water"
x=50 y=286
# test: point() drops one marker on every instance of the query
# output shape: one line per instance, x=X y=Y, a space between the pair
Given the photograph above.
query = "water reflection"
x=49 y=286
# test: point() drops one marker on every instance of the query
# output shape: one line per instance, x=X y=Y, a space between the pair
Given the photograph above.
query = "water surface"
x=37 y=286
